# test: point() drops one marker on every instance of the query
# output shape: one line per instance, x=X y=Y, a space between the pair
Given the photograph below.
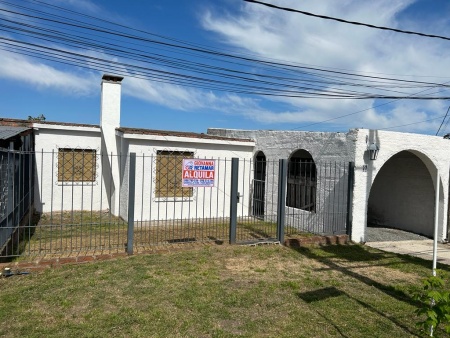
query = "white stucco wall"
x=51 y=195
x=205 y=202
x=331 y=153
x=110 y=143
x=433 y=151
x=403 y=195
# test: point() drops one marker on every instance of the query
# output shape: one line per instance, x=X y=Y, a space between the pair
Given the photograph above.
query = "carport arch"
x=402 y=194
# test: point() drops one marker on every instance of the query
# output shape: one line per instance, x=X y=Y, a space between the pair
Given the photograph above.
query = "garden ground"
x=222 y=291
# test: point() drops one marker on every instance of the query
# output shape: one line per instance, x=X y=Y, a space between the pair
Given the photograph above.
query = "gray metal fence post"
x=351 y=181
x=281 y=204
x=131 y=190
x=234 y=199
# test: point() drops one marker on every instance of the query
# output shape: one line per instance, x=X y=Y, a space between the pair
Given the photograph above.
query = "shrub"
x=434 y=304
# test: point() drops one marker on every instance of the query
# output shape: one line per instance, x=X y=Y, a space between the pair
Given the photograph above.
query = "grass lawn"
x=94 y=232
x=221 y=291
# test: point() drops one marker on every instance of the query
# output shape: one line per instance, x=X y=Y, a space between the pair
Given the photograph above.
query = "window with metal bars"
x=302 y=182
x=169 y=169
x=76 y=165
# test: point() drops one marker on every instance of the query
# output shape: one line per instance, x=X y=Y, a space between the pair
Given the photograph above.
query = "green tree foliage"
x=434 y=304
x=37 y=118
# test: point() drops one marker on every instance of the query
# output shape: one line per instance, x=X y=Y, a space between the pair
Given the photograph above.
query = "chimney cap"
x=112 y=78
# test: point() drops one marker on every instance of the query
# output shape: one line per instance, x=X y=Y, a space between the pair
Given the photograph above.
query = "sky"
x=30 y=86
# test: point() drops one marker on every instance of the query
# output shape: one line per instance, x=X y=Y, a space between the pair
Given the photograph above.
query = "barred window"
x=76 y=165
x=169 y=169
x=302 y=181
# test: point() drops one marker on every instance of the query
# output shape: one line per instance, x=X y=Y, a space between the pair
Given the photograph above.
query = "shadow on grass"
x=19 y=239
x=260 y=230
x=331 y=292
x=357 y=253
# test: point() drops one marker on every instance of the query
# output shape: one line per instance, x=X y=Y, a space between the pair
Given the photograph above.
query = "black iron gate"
x=291 y=198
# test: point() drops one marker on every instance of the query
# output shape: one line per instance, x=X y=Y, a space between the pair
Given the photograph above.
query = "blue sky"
x=31 y=86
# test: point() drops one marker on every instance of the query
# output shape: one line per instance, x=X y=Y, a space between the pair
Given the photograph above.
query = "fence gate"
x=254 y=201
x=292 y=198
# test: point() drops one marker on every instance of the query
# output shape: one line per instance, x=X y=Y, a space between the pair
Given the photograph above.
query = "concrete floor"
x=416 y=248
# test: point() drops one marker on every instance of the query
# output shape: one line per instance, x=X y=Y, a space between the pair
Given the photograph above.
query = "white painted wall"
x=206 y=202
x=330 y=151
x=403 y=196
x=433 y=151
x=110 y=143
x=51 y=195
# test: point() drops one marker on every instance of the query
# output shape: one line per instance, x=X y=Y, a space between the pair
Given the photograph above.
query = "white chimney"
x=109 y=121
x=110 y=101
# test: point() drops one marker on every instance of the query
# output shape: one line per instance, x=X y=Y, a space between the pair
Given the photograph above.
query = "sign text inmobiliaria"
x=198 y=173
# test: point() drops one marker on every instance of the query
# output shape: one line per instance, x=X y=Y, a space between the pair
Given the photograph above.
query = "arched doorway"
x=302 y=181
x=402 y=195
x=259 y=184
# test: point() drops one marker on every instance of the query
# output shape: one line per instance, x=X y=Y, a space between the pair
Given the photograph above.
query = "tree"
x=37 y=118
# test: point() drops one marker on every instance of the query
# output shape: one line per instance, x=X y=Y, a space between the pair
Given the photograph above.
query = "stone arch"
x=259 y=184
x=302 y=181
x=402 y=194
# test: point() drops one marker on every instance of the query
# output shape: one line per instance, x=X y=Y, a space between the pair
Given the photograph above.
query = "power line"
x=269 y=77
x=443 y=121
x=354 y=113
x=410 y=124
x=349 y=22
x=309 y=91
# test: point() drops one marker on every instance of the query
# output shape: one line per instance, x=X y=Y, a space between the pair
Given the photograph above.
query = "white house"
x=87 y=167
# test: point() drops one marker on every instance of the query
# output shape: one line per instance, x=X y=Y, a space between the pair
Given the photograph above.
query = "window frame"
x=85 y=176
x=176 y=191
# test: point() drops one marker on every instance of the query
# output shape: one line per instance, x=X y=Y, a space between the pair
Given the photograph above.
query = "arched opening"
x=302 y=181
x=259 y=184
x=402 y=196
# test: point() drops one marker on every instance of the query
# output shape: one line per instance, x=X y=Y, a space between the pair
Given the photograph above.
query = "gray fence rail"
x=83 y=207
x=16 y=196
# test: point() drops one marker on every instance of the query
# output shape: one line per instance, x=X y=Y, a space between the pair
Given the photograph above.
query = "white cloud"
x=296 y=38
x=84 y=5
x=20 y=68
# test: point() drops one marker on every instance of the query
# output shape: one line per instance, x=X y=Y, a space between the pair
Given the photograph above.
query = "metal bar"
x=131 y=190
x=233 y=198
x=436 y=222
x=281 y=205
x=351 y=179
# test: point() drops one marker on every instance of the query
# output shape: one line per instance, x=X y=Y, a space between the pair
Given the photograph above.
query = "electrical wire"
x=443 y=121
x=349 y=22
x=101 y=45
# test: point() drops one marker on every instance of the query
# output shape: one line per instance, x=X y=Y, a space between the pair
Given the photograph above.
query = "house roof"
x=6 y=132
x=29 y=123
x=179 y=134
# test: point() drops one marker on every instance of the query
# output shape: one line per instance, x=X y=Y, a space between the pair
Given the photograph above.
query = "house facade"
x=397 y=189
x=85 y=167
x=89 y=167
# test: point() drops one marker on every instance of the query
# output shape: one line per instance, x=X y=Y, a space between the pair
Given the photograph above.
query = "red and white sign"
x=199 y=173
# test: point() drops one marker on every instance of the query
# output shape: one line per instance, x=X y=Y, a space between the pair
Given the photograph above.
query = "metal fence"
x=16 y=196
x=84 y=207
x=318 y=199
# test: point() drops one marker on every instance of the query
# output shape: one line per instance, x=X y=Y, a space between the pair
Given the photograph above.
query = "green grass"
x=221 y=291
x=92 y=232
